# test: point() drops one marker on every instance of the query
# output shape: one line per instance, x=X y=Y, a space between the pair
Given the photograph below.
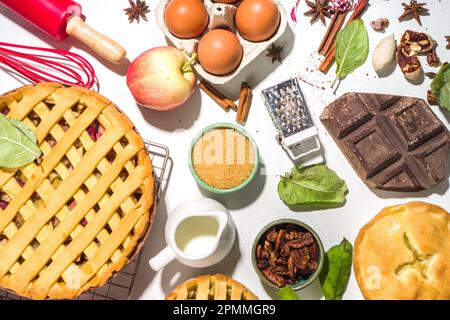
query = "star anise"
x=137 y=10
x=319 y=9
x=414 y=10
x=448 y=40
x=274 y=52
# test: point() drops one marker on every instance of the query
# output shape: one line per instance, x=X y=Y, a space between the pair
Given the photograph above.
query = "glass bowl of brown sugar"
x=223 y=158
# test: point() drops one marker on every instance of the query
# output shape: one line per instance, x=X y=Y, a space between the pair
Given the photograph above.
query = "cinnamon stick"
x=218 y=97
x=334 y=27
x=245 y=101
x=329 y=58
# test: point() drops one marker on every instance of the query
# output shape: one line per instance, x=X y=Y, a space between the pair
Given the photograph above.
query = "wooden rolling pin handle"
x=101 y=44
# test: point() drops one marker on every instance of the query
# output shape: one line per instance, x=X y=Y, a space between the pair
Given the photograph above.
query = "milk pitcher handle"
x=162 y=259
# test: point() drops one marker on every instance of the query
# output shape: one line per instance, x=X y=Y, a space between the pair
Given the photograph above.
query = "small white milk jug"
x=199 y=233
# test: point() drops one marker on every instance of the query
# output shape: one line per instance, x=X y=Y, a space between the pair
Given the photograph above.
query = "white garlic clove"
x=384 y=54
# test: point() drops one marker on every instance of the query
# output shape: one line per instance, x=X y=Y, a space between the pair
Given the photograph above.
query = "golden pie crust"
x=211 y=287
x=76 y=218
x=404 y=254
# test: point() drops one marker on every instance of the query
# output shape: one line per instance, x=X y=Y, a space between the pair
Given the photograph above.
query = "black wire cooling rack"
x=121 y=286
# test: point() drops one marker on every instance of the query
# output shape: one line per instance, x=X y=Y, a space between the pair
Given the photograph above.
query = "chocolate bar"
x=394 y=143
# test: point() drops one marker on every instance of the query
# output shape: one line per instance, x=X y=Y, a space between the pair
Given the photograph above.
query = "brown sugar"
x=223 y=158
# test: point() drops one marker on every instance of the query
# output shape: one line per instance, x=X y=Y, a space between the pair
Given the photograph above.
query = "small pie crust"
x=211 y=287
x=404 y=254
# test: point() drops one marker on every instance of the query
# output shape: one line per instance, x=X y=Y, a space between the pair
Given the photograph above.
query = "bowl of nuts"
x=288 y=252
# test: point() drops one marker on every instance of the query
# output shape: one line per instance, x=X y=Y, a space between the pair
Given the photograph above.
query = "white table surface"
x=252 y=207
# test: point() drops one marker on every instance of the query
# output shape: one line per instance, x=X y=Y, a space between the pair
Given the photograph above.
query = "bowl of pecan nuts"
x=288 y=252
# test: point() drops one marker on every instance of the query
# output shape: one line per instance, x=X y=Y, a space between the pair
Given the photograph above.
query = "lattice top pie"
x=211 y=287
x=75 y=219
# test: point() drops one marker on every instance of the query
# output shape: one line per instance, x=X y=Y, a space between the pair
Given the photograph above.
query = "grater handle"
x=296 y=157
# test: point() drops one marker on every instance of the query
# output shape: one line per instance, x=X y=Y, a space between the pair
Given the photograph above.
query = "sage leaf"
x=352 y=48
x=337 y=269
x=286 y=293
x=312 y=185
x=17 y=144
x=441 y=86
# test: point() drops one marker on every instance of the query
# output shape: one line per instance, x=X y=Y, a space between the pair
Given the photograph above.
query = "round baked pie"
x=404 y=254
x=211 y=287
x=75 y=217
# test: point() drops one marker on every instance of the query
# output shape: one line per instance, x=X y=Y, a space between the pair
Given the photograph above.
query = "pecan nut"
x=295 y=234
x=301 y=257
x=433 y=59
x=380 y=24
x=259 y=251
x=305 y=240
x=267 y=249
x=263 y=264
x=273 y=258
x=292 y=268
x=409 y=63
x=274 y=278
x=281 y=239
x=418 y=42
x=271 y=235
x=314 y=251
x=285 y=251
x=280 y=270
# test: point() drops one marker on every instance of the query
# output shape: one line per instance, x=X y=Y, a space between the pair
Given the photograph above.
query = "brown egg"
x=186 y=18
x=257 y=20
x=219 y=52
x=225 y=1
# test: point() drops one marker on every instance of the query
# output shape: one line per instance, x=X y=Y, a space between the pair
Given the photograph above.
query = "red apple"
x=161 y=78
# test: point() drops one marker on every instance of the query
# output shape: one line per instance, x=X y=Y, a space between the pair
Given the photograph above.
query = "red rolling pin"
x=60 y=18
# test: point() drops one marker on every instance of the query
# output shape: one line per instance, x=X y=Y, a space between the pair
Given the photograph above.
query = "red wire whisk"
x=45 y=64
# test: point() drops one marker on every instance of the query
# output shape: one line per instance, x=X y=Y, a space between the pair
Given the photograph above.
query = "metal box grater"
x=287 y=108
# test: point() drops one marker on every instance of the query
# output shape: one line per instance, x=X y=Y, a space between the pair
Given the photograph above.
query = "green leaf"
x=441 y=86
x=312 y=185
x=337 y=269
x=444 y=96
x=26 y=130
x=352 y=48
x=286 y=293
x=17 y=144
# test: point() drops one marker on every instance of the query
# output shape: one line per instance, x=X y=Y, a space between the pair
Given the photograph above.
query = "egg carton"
x=220 y=15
